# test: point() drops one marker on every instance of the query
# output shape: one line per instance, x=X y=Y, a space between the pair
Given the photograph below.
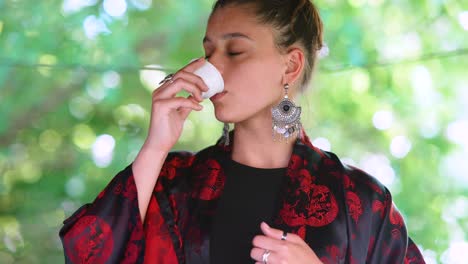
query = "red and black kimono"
x=345 y=215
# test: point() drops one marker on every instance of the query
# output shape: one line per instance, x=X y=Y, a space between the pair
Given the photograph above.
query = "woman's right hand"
x=168 y=112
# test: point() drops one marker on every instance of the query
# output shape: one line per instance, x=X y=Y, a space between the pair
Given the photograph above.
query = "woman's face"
x=244 y=52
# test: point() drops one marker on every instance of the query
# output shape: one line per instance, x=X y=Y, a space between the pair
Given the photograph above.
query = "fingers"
x=269 y=243
x=192 y=78
x=277 y=234
x=178 y=103
x=293 y=249
x=169 y=90
x=184 y=79
x=192 y=66
x=271 y=239
x=184 y=112
x=257 y=254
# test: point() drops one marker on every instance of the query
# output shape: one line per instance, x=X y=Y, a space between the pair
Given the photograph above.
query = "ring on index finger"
x=168 y=78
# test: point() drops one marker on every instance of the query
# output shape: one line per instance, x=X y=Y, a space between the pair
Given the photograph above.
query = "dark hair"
x=295 y=21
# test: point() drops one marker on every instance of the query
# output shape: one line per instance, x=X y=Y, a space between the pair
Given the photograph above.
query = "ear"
x=295 y=63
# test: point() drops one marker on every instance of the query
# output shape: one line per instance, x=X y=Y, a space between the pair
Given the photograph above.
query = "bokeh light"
x=111 y=79
x=324 y=51
x=348 y=161
x=360 y=81
x=130 y=117
x=83 y=136
x=75 y=187
x=431 y=125
x=457 y=253
x=94 y=26
x=73 y=6
x=457 y=132
x=46 y=59
x=382 y=120
x=141 y=4
x=12 y=239
x=455 y=168
x=463 y=19
x=378 y=165
x=50 y=140
x=103 y=150
x=81 y=107
x=115 y=8
x=423 y=88
x=322 y=143
x=400 y=146
x=407 y=45
x=96 y=91
x=30 y=172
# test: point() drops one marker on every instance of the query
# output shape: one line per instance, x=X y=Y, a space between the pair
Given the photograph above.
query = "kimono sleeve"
x=110 y=229
x=391 y=243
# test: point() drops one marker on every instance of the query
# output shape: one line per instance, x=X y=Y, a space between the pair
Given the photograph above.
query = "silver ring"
x=265 y=256
x=285 y=234
x=168 y=78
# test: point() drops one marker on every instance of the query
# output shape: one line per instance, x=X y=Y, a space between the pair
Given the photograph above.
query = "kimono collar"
x=301 y=142
x=301 y=188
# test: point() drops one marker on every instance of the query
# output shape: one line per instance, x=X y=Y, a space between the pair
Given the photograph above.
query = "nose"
x=217 y=63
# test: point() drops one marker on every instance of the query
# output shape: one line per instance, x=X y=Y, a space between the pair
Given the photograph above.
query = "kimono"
x=342 y=213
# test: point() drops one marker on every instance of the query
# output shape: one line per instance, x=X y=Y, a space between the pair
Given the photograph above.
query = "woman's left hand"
x=291 y=250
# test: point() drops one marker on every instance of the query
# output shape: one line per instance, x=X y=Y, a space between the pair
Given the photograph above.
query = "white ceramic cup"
x=212 y=78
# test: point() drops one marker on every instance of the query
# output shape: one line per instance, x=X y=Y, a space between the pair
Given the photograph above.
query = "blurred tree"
x=76 y=76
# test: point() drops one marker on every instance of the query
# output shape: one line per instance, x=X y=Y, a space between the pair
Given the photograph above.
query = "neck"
x=254 y=145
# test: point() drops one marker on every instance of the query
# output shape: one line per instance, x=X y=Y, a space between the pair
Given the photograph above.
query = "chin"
x=223 y=114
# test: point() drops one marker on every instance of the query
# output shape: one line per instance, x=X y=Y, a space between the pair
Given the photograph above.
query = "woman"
x=248 y=198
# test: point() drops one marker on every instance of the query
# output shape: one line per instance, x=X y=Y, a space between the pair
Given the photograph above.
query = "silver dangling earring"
x=226 y=134
x=286 y=117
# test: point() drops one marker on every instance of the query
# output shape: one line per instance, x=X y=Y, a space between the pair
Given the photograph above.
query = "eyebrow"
x=229 y=36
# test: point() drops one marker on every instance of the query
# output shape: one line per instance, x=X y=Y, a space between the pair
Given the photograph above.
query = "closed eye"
x=229 y=53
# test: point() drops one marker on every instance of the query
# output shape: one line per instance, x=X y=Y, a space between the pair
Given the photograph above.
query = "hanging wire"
x=424 y=57
x=7 y=62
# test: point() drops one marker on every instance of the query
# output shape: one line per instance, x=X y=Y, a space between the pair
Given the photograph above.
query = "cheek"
x=253 y=75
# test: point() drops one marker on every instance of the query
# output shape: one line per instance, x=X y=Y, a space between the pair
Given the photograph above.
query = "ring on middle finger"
x=265 y=256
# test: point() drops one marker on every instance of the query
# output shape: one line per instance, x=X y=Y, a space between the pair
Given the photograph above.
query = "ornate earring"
x=226 y=134
x=286 y=117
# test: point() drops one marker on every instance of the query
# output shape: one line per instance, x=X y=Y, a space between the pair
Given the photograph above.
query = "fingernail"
x=266 y=224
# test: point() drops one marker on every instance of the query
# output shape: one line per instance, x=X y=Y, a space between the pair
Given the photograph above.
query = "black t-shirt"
x=250 y=196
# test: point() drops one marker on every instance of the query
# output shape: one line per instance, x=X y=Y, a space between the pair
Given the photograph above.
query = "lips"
x=218 y=96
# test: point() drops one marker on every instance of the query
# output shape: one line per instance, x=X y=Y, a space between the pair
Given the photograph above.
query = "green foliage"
x=61 y=89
